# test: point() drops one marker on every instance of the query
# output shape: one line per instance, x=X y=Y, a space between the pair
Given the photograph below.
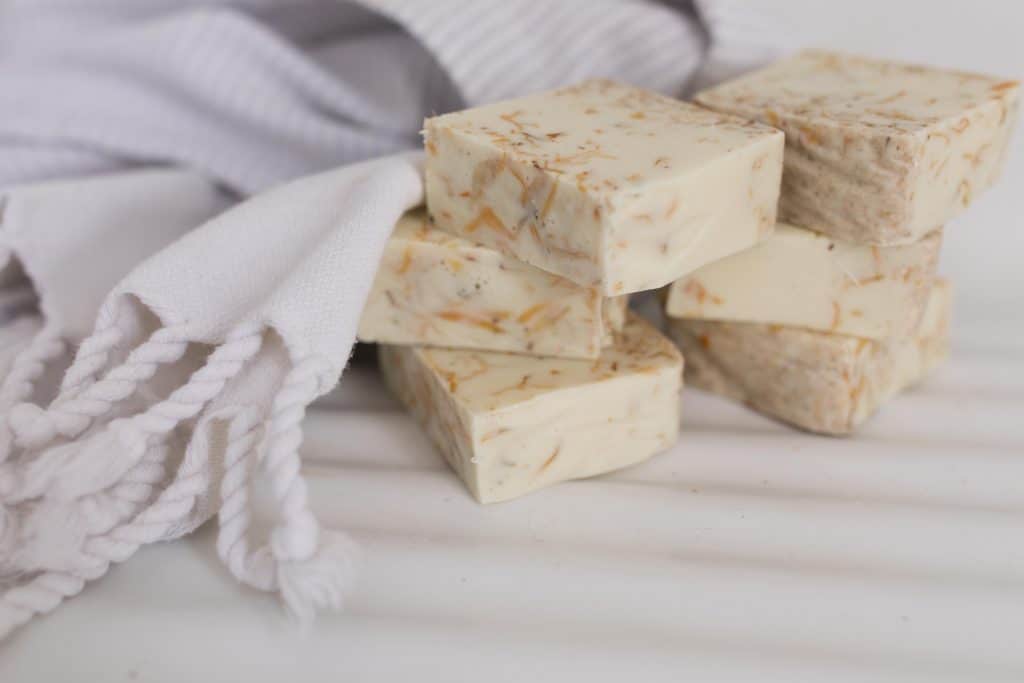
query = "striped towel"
x=255 y=92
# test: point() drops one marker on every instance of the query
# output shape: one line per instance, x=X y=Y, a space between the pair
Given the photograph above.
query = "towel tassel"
x=99 y=477
x=310 y=568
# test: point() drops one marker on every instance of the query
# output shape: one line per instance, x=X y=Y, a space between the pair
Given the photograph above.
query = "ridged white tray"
x=748 y=552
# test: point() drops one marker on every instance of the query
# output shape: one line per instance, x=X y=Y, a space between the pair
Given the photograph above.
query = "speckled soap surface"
x=603 y=183
x=509 y=424
x=828 y=383
x=876 y=152
x=801 y=278
x=437 y=289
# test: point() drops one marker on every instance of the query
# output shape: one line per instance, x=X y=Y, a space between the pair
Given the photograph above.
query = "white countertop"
x=749 y=551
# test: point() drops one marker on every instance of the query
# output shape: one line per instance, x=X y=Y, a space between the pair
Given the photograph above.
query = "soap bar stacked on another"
x=824 y=382
x=804 y=279
x=605 y=184
x=821 y=323
x=545 y=212
x=876 y=152
x=437 y=289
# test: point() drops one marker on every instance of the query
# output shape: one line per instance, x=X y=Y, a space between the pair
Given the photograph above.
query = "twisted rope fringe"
x=295 y=537
x=72 y=414
x=107 y=504
x=41 y=596
x=78 y=469
x=93 y=355
x=310 y=569
x=48 y=589
x=94 y=352
x=25 y=371
x=235 y=516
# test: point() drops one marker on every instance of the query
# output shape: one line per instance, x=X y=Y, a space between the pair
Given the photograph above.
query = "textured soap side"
x=492 y=198
x=614 y=310
x=437 y=289
x=962 y=156
x=534 y=422
x=876 y=152
x=674 y=228
x=428 y=398
x=800 y=278
x=820 y=382
x=603 y=183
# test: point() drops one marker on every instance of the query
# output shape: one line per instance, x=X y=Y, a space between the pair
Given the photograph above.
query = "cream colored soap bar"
x=876 y=152
x=603 y=183
x=821 y=382
x=804 y=279
x=437 y=289
x=509 y=424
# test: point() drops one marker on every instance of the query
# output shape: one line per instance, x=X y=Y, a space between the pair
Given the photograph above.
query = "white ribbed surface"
x=749 y=552
x=256 y=92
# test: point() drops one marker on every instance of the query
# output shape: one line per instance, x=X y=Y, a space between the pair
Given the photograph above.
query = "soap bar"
x=821 y=382
x=801 y=278
x=605 y=184
x=509 y=424
x=437 y=289
x=876 y=152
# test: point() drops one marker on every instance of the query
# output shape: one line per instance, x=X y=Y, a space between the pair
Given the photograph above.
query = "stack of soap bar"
x=604 y=184
x=509 y=424
x=436 y=289
x=819 y=329
x=876 y=152
x=821 y=382
x=804 y=279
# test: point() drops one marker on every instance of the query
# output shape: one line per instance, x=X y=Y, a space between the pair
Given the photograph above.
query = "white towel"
x=197 y=371
x=59 y=230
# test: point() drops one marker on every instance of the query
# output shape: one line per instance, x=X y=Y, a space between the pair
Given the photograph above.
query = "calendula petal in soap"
x=801 y=278
x=605 y=184
x=509 y=424
x=437 y=289
x=877 y=152
x=821 y=382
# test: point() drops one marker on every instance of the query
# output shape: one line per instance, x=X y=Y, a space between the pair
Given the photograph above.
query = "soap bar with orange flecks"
x=801 y=278
x=876 y=152
x=605 y=184
x=436 y=289
x=509 y=424
x=821 y=382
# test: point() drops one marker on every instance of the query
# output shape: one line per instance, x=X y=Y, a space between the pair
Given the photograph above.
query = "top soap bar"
x=876 y=152
x=604 y=184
